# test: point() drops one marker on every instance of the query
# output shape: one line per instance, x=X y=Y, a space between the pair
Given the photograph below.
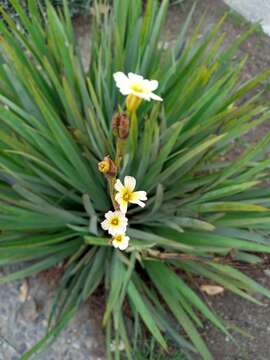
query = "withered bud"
x=107 y=167
x=120 y=125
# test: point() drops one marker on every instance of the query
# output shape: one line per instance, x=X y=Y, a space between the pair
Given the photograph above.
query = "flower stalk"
x=111 y=183
x=133 y=133
x=109 y=169
x=120 y=126
x=120 y=145
x=137 y=89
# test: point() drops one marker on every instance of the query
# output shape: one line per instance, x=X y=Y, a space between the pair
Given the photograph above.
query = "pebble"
x=76 y=345
x=22 y=348
x=29 y=310
x=267 y=272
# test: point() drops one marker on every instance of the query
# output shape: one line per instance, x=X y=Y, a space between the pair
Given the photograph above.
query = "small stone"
x=267 y=272
x=44 y=322
x=22 y=348
x=29 y=310
x=23 y=291
x=76 y=345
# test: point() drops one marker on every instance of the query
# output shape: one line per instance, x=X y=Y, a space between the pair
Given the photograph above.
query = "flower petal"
x=109 y=215
x=118 y=186
x=123 y=220
x=118 y=197
x=121 y=216
x=121 y=79
x=124 y=244
x=125 y=90
x=123 y=206
x=130 y=183
x=146 y=85
x=139 y=195
x=155 y=97
x=153 y=85
x=113 y=231
x=105 y=225
x=140 y=203
x=115 y=243
x=135 y=77
x=143 y=95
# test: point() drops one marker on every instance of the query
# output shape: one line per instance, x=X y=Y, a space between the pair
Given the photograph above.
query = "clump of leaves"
x=205 y=208
x=75 y=6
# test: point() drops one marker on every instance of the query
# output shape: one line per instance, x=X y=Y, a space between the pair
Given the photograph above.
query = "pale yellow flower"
x=126 y=194
x=120 y=241
x=136 y=85
x=136 y=88
x=115 y=222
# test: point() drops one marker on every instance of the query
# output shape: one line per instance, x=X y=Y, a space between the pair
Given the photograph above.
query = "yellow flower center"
x=126 y=196
x=118 y=238
x=115 y=221
x=137 y=87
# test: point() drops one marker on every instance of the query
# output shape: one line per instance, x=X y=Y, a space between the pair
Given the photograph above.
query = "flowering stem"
x=133 y=132
x=111 y=182
x=119 y=152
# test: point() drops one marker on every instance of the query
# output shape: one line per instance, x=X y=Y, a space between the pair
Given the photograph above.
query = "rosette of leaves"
x=207 y=209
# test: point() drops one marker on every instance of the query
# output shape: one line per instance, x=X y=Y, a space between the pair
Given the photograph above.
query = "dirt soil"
x=253 y=320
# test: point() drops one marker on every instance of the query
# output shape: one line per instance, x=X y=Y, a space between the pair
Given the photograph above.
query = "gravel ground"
x=24 y=308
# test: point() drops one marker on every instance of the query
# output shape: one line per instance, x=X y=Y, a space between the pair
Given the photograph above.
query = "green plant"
x=149 y=350
x=206 y=208
x=75 y=6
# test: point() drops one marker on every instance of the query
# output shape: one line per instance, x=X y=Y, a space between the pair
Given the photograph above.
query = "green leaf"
x=137 y=300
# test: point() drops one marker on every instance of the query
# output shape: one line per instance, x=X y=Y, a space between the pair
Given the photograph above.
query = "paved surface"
x=253 y=10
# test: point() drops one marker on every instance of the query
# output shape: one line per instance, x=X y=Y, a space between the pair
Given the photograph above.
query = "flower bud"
x=107 y=167
x=120 y=125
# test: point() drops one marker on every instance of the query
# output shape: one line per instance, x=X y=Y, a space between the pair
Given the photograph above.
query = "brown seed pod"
x=120 y=125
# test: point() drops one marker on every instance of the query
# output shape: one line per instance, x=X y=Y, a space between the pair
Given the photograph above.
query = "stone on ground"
x=254 y=11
